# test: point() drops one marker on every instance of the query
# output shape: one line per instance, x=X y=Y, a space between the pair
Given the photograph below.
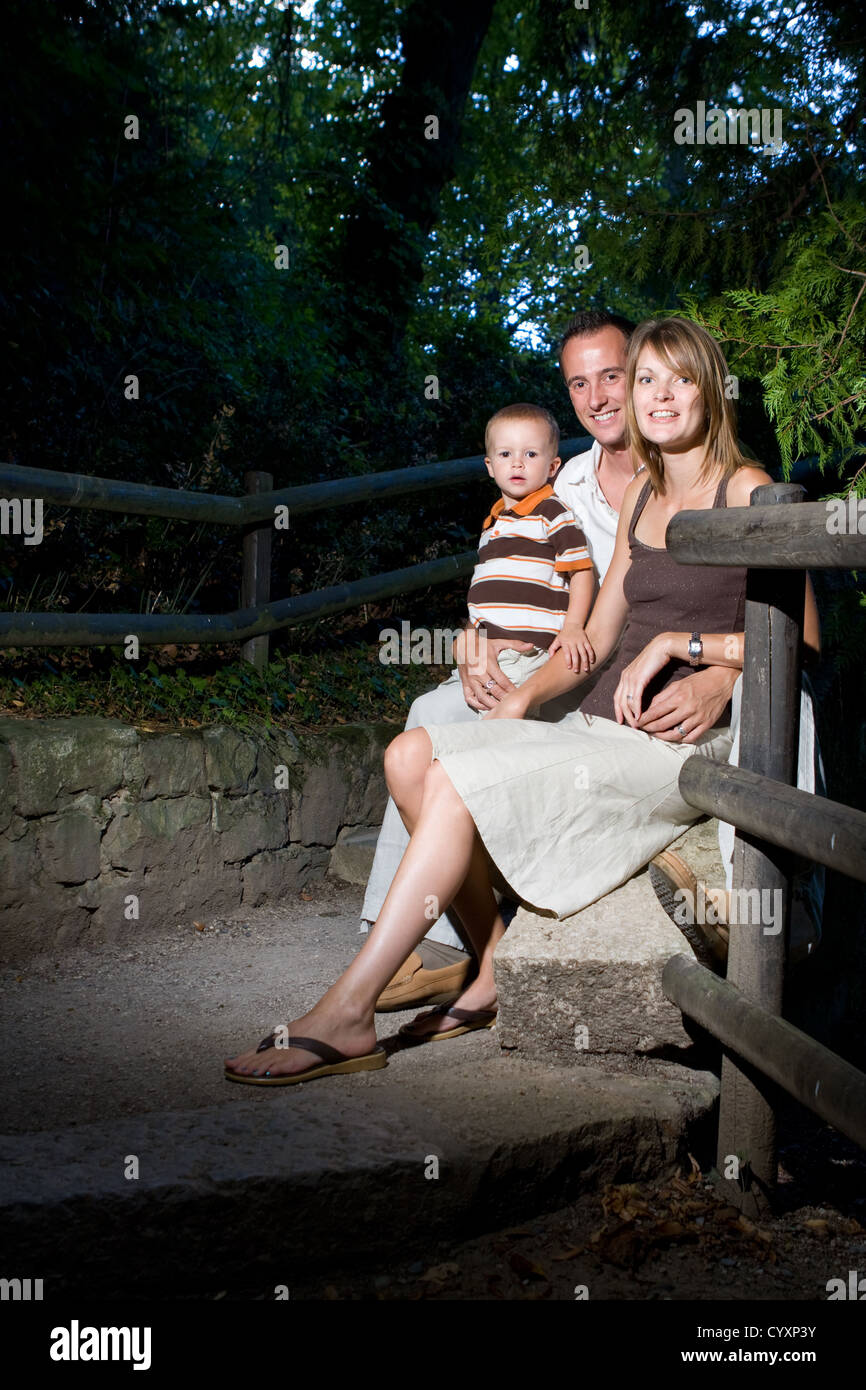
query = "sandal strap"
x=320 y=1049
x=468 y=1015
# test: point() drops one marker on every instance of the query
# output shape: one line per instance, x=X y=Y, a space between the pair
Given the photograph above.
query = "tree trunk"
x=381 y=258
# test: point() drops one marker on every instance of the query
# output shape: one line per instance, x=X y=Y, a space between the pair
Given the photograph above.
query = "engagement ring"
x=681 y=731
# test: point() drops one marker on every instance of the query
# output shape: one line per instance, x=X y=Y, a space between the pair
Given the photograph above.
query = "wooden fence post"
x=256 y=580
x=769 y=736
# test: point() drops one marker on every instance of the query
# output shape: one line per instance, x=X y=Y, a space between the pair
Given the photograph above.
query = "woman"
x=566 y=811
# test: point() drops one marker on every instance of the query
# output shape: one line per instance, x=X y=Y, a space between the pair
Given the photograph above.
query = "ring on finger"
x=681 y=731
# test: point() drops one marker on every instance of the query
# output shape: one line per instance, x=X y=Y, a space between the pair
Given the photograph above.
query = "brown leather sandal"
x=335 y=1063
x=470 y=1021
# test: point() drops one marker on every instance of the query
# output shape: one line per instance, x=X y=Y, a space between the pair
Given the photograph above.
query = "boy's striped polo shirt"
x=519 y=586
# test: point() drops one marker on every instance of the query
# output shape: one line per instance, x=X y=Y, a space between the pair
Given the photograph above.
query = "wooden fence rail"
x=764 y=538
x=257 y=616
x=828 y=833
x=807 y=1070
x=140 y=499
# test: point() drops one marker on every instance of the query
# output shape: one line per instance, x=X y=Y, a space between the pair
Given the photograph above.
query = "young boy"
x=534 y=579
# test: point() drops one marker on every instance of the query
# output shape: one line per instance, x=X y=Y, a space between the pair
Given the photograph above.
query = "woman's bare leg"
x=441 y=856
x=475 y=902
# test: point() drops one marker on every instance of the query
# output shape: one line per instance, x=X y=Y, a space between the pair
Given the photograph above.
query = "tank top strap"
x=721 y=497
x=639 y=505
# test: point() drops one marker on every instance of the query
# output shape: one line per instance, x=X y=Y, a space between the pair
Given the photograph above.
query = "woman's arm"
x=720 y=649
x=604 y=628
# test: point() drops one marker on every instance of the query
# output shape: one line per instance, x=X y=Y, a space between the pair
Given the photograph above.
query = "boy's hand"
x=576 y=648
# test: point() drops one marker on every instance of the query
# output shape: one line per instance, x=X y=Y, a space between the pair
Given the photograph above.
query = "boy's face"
x=522 y=457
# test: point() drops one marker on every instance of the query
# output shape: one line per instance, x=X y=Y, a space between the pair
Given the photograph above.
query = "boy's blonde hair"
x=690 y=349
x=523 y=411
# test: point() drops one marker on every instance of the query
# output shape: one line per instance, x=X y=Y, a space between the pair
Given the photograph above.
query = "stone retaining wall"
x=100 y=821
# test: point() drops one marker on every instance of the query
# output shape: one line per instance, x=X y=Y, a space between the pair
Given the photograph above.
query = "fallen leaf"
x=438 y=1274
x=199 y=926
x=819 y=1225
x=669 y=1230
x=524 y=1268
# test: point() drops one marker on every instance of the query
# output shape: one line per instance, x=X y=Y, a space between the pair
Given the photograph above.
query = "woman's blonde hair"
x=690 y=349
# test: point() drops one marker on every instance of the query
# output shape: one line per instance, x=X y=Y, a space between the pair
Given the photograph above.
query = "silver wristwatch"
x=696 y=649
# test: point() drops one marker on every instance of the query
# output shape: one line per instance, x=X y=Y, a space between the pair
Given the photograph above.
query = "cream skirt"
x=569 y=811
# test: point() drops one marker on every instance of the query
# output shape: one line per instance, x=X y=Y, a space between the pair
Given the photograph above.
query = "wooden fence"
x=258 y=615
x=773 y=821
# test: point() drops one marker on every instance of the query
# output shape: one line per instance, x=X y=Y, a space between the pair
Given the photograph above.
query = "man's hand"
x=688 y=708
x=576 y=647
x=484 y=683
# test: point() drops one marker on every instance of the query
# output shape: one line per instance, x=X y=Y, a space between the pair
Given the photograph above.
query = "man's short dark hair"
x=593 y=321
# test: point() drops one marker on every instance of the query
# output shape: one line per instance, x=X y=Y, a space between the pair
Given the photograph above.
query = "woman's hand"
x=511 y=706
x=627 y=697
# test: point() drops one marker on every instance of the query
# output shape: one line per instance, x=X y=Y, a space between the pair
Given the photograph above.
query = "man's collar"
x=529 y=503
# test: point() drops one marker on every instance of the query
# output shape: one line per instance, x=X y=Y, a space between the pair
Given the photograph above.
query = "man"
x=592 y=360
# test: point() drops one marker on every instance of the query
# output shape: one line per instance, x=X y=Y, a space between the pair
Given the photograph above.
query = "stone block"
x=592 y=982
x=275 y=874
x=230 y=759
x=8 y=788
x=58 y=758
x=191 y=888
x=279 y=750
x=249 y=824
x=156 y=832
x=18 y=862
x=167 y=765
x=352 y=855
x=341 y=782
x=68 y=846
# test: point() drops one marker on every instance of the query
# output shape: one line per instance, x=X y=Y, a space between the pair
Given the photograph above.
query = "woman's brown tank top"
x=666 y=597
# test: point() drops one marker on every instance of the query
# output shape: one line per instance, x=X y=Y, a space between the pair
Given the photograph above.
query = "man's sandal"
x=470 y=1020
x=335 y=1063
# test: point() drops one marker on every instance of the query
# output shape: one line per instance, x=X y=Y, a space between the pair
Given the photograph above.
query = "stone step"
x=591 y=983
x=246 y=1195
x=352 y=855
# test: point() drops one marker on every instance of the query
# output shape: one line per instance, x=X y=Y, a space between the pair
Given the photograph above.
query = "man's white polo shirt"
x=576 y=484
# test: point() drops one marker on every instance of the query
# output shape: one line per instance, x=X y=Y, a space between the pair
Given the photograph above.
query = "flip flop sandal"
x=335 y=1063
x=471 y=1019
